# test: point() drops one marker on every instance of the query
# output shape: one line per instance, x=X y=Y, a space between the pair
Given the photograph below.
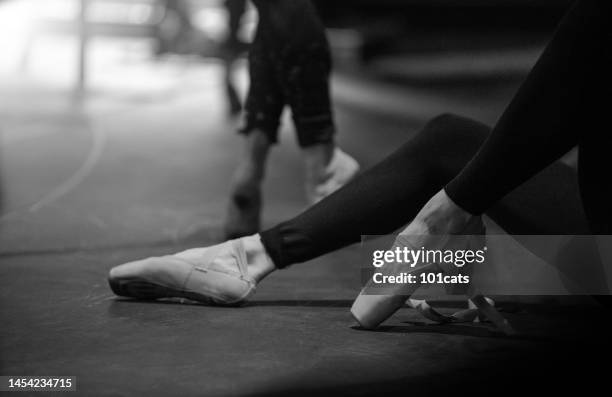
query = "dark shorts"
x=290 y=69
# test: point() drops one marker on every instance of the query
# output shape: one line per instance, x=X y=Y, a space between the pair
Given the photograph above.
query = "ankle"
x=442 y=216
x=259 y=262
x=316 y=160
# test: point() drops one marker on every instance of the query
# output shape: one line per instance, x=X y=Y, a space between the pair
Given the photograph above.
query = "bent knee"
x=449 y=125
x=445 y=121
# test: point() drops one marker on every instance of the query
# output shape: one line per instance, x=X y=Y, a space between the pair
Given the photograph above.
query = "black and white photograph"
x=252 y=198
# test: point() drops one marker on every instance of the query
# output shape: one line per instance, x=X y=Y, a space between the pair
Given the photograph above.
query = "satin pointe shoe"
x=216 y=274
x=371 y=309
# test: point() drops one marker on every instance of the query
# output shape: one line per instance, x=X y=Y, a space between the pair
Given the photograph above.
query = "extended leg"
x=378 y=202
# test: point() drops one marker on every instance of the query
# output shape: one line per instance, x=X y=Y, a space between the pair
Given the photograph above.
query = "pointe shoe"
x=370 y=310
x=216 y=274
x=340 y=170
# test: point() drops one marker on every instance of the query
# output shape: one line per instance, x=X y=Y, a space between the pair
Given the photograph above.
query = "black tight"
x=563 y=103
x=390 y=194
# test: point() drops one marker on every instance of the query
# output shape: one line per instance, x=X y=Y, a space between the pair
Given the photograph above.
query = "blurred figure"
x=232 y=49
x=289 y=64
x=175 y=31
x=176 y=34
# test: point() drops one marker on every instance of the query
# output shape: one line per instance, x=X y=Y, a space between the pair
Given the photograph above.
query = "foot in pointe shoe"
x=373 y=305
x=440 y=225
x=223 y=274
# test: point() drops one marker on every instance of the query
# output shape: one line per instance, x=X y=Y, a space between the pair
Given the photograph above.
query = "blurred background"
x=119 y=115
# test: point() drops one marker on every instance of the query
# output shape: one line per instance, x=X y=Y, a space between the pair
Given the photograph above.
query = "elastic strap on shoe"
x=425 y=310
x=241 y=260
x=468 y=315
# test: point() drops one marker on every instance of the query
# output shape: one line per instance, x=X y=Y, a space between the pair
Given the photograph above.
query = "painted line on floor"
x=98 y=145
x=94 y=156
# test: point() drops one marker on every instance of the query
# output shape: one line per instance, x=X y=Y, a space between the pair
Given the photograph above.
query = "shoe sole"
x=138 y=288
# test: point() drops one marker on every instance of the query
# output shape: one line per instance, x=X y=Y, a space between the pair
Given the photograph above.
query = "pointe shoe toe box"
x=148 y=278
x=371 y=310
x=169 y=276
